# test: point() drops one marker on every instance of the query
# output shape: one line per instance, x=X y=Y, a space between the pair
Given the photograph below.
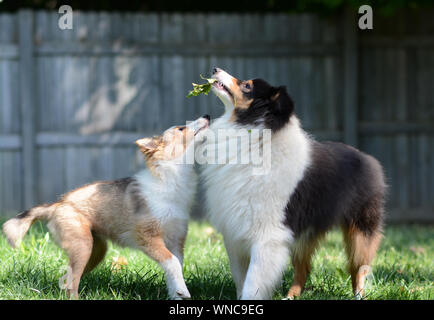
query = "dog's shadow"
x=34 y=274
x=38 y=278
x=105 y=283
x=150 y=284
x=333 y=284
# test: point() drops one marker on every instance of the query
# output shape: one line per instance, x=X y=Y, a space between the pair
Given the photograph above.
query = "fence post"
x=351 y=76
x=27 y=104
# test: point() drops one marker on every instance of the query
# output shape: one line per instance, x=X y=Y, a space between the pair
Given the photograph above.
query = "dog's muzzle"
x=200 y=124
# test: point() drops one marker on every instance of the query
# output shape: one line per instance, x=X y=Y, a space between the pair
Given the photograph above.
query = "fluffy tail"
x=16 y=228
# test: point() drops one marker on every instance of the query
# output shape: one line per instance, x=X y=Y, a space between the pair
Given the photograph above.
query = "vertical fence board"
x=9 y=97
x=51 y=174
x=350 y=60
x=27 y=94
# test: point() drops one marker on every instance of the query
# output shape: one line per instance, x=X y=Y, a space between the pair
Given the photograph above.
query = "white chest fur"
x=249 y=208
x=171 y=196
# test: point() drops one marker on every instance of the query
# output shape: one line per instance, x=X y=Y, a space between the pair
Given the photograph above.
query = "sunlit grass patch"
x=403 y=269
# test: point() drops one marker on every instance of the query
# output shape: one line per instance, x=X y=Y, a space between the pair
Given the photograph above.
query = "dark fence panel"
x=73 y=115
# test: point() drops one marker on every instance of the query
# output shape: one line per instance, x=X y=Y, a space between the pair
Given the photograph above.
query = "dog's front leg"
x=267 y=263
x=175 y=233
x=239 y=262
x=156 y=249
x=175 y=280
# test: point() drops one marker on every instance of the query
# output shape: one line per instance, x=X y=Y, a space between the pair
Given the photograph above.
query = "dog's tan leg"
x=157 y=250
x=175 y=234
x=176 y=246
x=302 y=253
x=150 y=240
x=361 y=249
x=73 y=234
x=99 y=250
x=79 y=251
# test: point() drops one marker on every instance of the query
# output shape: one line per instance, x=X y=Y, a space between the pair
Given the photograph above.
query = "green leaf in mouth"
x=201 y=88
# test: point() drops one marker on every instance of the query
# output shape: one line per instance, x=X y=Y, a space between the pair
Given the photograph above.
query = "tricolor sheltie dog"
x=148 y=211
x=311 y=187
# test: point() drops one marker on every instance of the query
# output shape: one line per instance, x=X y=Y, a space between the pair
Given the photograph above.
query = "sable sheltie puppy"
x=148 y=211
x=311 y=186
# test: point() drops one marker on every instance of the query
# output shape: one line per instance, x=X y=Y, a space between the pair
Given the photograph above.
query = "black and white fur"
x=311 y=187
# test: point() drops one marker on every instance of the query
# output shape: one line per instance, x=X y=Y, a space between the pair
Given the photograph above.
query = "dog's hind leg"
x=99 y=250
x=267 y=263
x=302 y=267
x=79 y=253
x=73 y=234
x=361 y=249
x=302 y=252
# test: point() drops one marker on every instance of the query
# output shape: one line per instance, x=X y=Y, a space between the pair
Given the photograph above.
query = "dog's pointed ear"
x=147 y=145
x=282 y=100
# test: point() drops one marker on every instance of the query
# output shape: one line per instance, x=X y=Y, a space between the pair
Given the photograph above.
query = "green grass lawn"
x=403 y=269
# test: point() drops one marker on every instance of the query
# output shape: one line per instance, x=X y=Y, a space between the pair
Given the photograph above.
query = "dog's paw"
x=181 y=294
x=358 y=296
x=293 y=292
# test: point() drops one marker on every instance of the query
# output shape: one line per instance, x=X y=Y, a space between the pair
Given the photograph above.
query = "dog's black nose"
x=207 y=117
x=215 y=70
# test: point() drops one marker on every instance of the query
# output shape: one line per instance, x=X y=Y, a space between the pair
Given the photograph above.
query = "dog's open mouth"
x=220 y=86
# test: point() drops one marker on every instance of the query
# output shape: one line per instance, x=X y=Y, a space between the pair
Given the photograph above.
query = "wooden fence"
x=72 y=102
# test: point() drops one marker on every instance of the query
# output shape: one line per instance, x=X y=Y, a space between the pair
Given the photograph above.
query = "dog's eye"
x=246 y=86
x=181 y=128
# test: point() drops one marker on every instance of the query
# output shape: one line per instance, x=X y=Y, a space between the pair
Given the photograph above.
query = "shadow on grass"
x=398 y=273
x=104 y=283
x=385 y=283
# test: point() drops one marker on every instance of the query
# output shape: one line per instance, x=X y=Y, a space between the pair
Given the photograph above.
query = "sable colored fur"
x=148 y=211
